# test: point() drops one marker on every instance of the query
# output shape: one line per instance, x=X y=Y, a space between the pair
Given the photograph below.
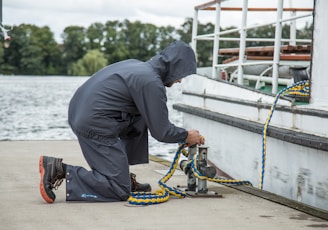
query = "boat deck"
x=22 y=207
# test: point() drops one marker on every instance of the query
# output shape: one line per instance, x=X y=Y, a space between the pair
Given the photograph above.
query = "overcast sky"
x=58 y=14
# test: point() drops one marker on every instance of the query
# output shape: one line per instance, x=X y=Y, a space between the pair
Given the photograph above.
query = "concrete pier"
x=21 y=206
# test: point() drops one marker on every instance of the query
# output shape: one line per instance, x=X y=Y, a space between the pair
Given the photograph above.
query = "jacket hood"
x=176 y=61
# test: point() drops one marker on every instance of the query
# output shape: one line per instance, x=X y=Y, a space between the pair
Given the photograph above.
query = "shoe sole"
x=42 y=190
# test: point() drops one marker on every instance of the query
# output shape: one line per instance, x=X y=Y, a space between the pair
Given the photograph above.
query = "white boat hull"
x=293 y=170
x=232 y=116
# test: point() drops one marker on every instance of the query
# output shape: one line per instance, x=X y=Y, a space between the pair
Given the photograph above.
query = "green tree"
x=269 y=32
x=12 y=55
x=139 y=39
x=166 y=35
x=124 y=40
x=31 y=60
x=51 y=53
x=92 y=61
x=185 y=30
x=204 y=48
x=114 y=46
x=95 y=36
x=2 y=52
x=32 y=50
x=306 y=32
x=74 y=45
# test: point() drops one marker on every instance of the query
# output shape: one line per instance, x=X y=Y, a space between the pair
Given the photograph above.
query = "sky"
x=59 y=14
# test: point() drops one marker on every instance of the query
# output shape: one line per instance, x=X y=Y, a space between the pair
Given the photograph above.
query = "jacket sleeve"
x=151 y=102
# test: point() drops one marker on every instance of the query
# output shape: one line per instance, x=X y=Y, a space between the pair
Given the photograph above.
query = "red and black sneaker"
x=52 y=175
x=138 y=187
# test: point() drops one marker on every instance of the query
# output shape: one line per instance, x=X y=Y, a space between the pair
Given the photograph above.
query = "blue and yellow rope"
x=220 y=181
x=300 y=89
x=192 y=164
x=160 y=196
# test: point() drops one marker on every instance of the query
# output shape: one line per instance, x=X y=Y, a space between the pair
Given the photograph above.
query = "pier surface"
x=21 y=206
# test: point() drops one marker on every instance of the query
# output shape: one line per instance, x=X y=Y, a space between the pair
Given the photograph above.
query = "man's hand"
x=194 y=138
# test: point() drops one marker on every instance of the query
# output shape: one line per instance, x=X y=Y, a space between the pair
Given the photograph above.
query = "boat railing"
x=276 y=61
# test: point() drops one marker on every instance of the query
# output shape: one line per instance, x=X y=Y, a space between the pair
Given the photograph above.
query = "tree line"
x=34 y=50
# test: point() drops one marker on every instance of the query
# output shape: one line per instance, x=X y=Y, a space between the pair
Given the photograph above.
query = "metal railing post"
x=292 y=35
x=242 y=42
x=194 y=32
x=276 y=54
x=216 y=44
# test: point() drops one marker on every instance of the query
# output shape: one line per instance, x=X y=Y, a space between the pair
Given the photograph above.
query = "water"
x=35 y=108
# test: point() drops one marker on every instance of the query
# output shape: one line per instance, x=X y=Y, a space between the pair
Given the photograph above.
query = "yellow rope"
x=163 y=195
x=160 y=196
x=300 y=89
x=194 y=168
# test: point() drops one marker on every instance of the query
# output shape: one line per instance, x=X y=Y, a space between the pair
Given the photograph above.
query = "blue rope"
x=293 y=89
x=160 y=196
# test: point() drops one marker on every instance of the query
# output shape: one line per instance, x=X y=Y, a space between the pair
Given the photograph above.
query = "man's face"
x=172 y=83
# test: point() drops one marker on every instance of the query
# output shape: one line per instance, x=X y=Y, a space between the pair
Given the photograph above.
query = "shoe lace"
x=58 y=182
x=55 y=182
x=58 y=179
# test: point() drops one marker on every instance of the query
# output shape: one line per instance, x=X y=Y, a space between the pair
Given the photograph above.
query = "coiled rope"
x=300 y=89
x=162 y=195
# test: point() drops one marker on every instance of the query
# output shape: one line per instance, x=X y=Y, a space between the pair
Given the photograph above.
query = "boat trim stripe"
x=295 y=137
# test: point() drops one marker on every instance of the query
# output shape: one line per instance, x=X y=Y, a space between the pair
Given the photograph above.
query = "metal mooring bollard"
x=202 y=162
x=191 y=181
x=191 y=185
x=201 y=190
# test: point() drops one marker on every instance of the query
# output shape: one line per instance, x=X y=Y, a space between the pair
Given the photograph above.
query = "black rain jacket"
x=113 y=100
